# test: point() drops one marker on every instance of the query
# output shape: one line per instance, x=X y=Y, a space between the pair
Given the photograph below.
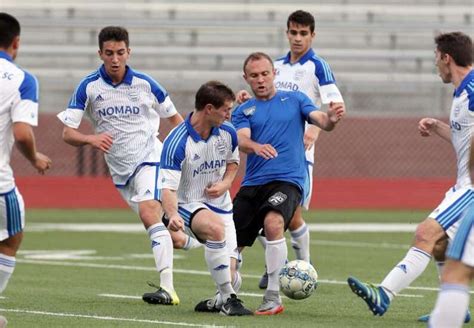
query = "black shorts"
x=252 y=203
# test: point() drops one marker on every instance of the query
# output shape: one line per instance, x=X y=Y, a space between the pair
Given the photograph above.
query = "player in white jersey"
x=199 y=162
x=301 y=69
x=454 y=63
x=18 y=113
x=125 y=107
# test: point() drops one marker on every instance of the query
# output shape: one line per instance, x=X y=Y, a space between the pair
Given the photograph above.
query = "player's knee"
x=274 y=225
x=11 y=245
x=215 y=229
x=427 y=234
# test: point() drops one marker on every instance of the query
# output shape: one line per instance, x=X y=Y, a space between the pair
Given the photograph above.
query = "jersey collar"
x=126 y=79
x=310 y=53
x=6 y=56
x=196 y=137
x=469 y=77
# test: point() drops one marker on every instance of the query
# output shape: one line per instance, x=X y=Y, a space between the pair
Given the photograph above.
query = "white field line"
x=184 y=271
x=359 y=244
x=72 y=315
x=138 y=228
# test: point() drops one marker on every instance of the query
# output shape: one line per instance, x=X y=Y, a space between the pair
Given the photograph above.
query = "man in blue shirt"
x=270 y=129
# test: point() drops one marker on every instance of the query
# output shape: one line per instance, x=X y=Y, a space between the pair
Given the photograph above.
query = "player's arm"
x=217 y=189
x=311 y=135
x=74 y=137
x=327 y=121
x=169 y=199
x=248 y=146
x=242 y=96
x=175 y=120
x=429 y=125
x=25 y=141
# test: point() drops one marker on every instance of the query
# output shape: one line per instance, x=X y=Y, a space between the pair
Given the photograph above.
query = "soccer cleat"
x=208 y=305
x=161 y=296
x=270 y=306
x=233 y=306
x=375 y=297
x=263 y=283
x=426 y=317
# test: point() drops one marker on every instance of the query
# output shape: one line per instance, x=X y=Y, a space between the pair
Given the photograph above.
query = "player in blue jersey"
x=301 y=69
x=18 y=113
x=125 y=107
x=199 y=162
x=270 y=128
x=454 y=62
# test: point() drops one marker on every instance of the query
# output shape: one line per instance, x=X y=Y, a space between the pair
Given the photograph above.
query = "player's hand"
x=426 y=126
x=42 y=163
x=310 y=137
x=242 y=96
x=176 y=223
x=266 y=151
x=217 y=189
x=336 y=111
x=101 y=141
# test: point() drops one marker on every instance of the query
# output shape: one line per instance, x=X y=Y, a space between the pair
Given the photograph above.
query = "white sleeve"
x=234 y=156
x=71 y=117
x=166 y=108
x=330 y=92
x=25 y=111
x=169 y=179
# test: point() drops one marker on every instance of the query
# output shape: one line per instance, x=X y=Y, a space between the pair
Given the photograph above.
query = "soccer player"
x=303 y=70
x=270 y=130
x=125 y=107
x=18 y=113
x=454 y=63
x=453 y=298
x=199 y=162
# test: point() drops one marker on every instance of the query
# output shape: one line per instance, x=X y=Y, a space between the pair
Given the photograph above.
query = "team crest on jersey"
x=133 y=95
x=250 y=111
x=221 y=146
x=299 y=74
x=277 y=199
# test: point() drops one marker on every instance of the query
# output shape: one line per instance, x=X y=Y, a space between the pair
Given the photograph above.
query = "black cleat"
x=233 y=306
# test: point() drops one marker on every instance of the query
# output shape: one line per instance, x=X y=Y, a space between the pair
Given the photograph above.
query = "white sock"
x=262 y=241
x=300 y=242
x=162 y=247
x=406 y=271
x=191 y=243
x=7 y=265
x=236 y=284
x=218 y=263
x=451 y=306
x=276 y=254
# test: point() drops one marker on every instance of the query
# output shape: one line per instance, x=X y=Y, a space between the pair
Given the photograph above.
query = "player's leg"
x=428 y=233
x=210 y=227
x=456 y=277
x=143 y=197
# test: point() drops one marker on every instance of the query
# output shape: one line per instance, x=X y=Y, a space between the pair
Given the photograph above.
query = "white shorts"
x=12 y=214
x=142 y=186
x=308 y=186
x=187 y=211
x=462 y=246
x=451 y=209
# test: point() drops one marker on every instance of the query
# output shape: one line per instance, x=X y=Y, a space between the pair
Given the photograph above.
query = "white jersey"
x=18 y=103
x=129 y=111
x=189 y=164
x=310 y=75
x=462 y=128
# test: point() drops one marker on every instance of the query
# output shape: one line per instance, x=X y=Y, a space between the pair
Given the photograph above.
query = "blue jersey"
x=279 y=122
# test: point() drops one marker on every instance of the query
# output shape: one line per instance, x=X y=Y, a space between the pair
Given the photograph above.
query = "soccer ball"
x=298 y=279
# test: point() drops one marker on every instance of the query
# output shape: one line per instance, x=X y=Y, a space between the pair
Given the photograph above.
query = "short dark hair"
x=113 y=33
x=257 y=56
x=456 y=44
x=9 y=30
x=301 y=17
x=213 y=92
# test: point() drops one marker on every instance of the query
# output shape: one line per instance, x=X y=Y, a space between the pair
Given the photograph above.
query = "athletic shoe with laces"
x=233 y=306
x=271 y=304
x=208 y=305
x=263 y=283
x=375 y=297
x=161 y=296
x=426 y=317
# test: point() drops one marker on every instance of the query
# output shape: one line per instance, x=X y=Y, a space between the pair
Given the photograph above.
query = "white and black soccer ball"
x=298 y=279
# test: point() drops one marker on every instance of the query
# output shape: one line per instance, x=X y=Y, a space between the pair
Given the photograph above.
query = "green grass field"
x=96 y=279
